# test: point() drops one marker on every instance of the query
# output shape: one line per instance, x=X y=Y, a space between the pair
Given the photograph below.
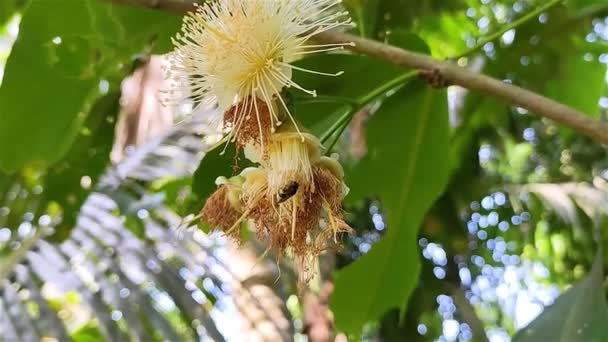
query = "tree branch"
x=452 y=73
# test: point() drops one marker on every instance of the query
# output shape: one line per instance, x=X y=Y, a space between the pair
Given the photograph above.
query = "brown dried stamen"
x=220 y=213
x=250 y=122
x=330 y=188
x=287 y=225
x=267 y=221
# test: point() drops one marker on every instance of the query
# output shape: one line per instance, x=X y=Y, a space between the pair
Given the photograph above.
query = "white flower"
x=238 y=53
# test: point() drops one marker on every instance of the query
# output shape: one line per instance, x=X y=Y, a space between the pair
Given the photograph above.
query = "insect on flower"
x=288 y=191
x=239 y=53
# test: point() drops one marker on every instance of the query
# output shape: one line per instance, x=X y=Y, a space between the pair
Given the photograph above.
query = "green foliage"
x=8 y=8
x=68 y=180
x=413 y=167
x=587 y=4
x=364 y=13
x=579 y=83
x=217 y=162
x=59 y=64
x=444 y=33
x=57 y=120
x=88 y=333
x=580 y=314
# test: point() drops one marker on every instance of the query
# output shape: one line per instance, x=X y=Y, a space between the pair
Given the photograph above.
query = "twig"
x=456 y=75
x=16 y=256
x=452 y=73
x=467 y=313
x=358 y=105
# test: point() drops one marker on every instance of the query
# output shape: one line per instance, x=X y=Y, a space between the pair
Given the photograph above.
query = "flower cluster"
x=293 y=198
x=239 y=54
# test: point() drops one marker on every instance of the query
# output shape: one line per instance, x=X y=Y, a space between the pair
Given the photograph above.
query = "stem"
x=337 y=124
x=338 y=135
x=492 y=37
x=385 y=88
x=508 y=93
x=326 y=99
x=467 y=313
x=16 y=256
x=361 y=102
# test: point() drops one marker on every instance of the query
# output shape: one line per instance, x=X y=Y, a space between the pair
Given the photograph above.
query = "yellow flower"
x=238 y=53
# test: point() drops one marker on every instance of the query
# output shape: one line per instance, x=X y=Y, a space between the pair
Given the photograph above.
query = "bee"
x=288 y=191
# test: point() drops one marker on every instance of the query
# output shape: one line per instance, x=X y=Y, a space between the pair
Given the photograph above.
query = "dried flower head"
x=297 y=201
x=326 y=204
x=300 y=221
x=238 y=53
x=223 y=209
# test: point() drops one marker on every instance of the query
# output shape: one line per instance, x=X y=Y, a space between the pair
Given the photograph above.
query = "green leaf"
x=579 y=84
x=408 y=158
x=55 y=67
x=406 y=40
x=365 y=14
x=215 y=163
x=580 y=314
x=8 y=8
x=404 y=13
x=444 y=33
x=85 y=162
x=588 y=5
x=87 y=333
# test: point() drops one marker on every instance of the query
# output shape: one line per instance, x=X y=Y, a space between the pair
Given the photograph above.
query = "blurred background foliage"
x=475 y=220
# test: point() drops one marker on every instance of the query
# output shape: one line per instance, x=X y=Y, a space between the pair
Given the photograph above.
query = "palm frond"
x=132 y=279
